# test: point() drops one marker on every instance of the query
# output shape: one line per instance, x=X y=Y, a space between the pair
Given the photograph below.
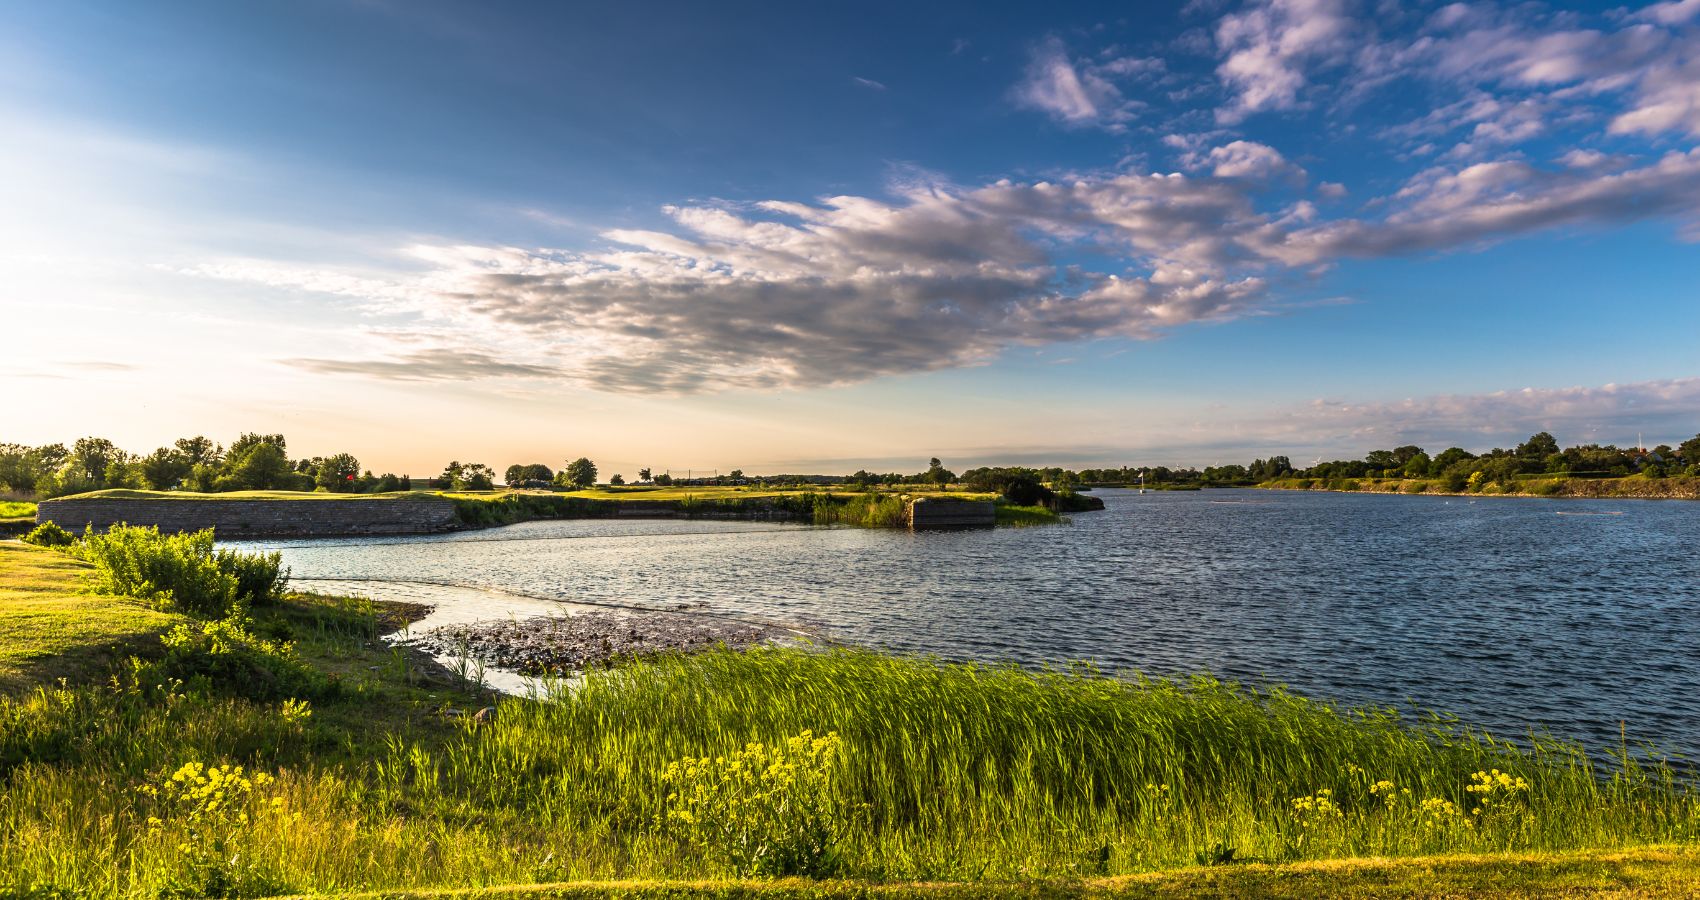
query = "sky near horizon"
x=820 y=237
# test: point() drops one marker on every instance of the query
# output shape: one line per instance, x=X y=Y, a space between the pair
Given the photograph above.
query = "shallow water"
x=1509 y=612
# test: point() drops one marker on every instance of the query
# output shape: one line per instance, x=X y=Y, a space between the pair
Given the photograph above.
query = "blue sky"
x=820 y=236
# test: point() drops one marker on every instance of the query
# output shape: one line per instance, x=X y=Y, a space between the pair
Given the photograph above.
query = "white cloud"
x=1080 y=92
x=1611 y=413
x=784 y=294
x=1249 y=159
x=1269 y=46
x=1672 y=13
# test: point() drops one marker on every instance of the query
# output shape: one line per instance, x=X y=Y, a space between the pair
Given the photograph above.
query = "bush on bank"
x=180 y=572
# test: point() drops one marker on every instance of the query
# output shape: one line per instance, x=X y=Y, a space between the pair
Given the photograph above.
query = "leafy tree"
x=337 y=473
x=617 y=479
x=539 y=472
x=1539 y=446
x=664 y=479
x=1402 y=456
x=580 y=473
x=938 y=474
x=643 y=474
x=200 y=450
x=1450 y=456
x=469 y=476
x=736 y=475
x=91 y=457
x=514 y=476
x=21 y=466
x=1689 y=450
x=258 y=466
x=165 y=469
x=1382 y=459
x=250 y=439
x=1418 y=466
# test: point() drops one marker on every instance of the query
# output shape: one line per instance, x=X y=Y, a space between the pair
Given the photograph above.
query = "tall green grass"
x=14 y=509
x=870 y=510
x=956 y=772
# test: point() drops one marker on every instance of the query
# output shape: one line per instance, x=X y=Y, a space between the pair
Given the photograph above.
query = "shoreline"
x=1685 y=488
x=522 y=645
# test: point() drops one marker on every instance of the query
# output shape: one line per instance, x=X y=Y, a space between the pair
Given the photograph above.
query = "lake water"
x=1511 y=613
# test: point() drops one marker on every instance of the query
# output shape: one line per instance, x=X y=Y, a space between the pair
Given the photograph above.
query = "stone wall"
x=232 y=519
x=938 y=512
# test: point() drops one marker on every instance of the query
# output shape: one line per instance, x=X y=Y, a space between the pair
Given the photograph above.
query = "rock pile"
x=568 y=643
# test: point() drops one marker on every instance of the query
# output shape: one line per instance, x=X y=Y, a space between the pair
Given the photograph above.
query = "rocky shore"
x=560 y=644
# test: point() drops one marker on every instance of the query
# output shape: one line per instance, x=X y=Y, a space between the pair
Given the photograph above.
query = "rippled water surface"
x=1508 y=612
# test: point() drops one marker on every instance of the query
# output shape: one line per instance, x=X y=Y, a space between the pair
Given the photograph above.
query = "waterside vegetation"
x=275 y=746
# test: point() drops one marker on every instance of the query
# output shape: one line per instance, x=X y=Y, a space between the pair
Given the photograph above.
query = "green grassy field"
x=945 y=780
x=50 y=629
x=15 y=509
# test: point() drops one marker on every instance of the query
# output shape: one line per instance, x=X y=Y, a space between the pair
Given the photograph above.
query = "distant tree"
x=249 y=440
x=469 y=476
x=1381 y=459
x=736 y=475
x=1450 y=456
x=1689 y=450
x=617 y=479
x=21 y=466
x=539 y=472
x=514 y=476
x=200 y=450
x=1419 y=465
x=165 y=469
x=664 y=479
x=643 y=474
x=337 y=473
x=91 y=457
x=1538 y=447
x=580 y=472
x=258 y=466
x=937 y=474
x=1403 y=455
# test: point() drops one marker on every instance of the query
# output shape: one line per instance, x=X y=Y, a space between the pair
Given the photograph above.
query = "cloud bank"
x=784 y=294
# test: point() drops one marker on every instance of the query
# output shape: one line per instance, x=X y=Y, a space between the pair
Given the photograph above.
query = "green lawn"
x=50 y=629
x=16 y=509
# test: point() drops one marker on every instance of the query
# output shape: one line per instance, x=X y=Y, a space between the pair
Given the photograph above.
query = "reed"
x=953 y=772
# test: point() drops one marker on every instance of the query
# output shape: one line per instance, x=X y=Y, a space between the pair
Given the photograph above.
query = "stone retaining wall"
x=938 y=512
x=232 y=519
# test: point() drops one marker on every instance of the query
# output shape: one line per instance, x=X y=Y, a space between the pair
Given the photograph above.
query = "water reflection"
x=1509 y=612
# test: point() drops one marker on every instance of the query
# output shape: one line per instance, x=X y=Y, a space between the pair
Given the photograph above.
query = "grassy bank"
x=353 y=780
x=878 y=508
x=1629 y=488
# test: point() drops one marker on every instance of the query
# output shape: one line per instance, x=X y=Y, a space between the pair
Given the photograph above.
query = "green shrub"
x=181 y=572
x=1415 y=487
x=260 y=577
x=763 y=810
x=226 y=656
x=1544 y=488
x=49 y=534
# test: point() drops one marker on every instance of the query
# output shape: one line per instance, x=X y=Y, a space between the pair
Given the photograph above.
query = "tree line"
x=256 y=461
x=252 y=462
